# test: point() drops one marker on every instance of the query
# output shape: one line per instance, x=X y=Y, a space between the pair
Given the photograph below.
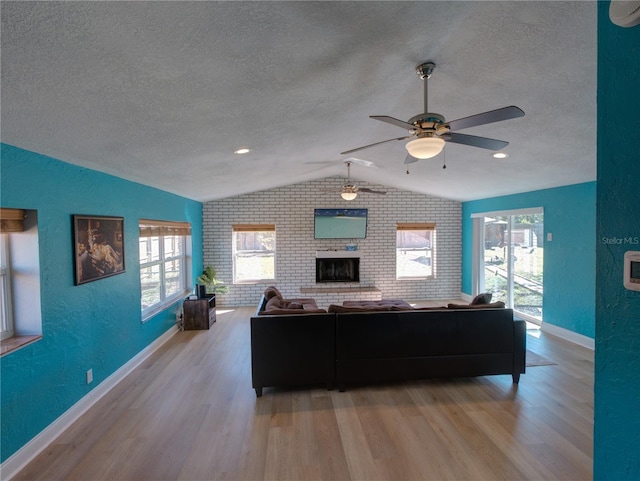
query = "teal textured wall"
x=569 y=259
x=92 y=326
x=617 y=371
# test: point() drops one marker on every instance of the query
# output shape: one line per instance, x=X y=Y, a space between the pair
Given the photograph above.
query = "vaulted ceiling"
x=162 y=93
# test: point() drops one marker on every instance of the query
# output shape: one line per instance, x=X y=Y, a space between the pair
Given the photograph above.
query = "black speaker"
x=202 y=291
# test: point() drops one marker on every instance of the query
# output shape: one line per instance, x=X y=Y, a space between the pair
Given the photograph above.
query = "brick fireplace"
x=337 y=269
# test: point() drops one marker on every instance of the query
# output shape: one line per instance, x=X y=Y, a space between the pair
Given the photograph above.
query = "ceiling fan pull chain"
x=444 y=158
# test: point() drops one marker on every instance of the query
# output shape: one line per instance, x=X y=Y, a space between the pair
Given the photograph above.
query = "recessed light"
x=241 y=151
x=500 y=155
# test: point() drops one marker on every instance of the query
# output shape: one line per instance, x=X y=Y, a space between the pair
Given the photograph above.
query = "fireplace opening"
x=345 y=269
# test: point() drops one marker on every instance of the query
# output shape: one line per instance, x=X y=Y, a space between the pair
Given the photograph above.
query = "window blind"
x=153 y=228
x=254 y=227
x=11 y=220
x=416 y=226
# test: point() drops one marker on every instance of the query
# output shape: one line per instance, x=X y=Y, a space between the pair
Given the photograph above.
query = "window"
x=164 y=262
x=20 y=313
x=6 y=311
x=254 y=253
x=414 y=250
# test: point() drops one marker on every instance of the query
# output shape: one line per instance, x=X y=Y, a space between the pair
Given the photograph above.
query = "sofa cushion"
x=484 y=298
x=291 y=304
x=380 y=303
x=343 y=309
x=497 y=304
x=274 y=303
x=400 y=308
x=277 y=311
x=272 y=291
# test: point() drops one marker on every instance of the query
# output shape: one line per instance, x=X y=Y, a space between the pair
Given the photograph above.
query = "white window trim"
x=237 y=228
x=428 y=226
x=5 y=272
x=167 y=302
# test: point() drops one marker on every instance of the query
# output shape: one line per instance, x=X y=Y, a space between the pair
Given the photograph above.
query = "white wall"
x=291 y=208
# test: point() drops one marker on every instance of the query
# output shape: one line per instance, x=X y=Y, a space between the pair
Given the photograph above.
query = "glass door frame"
x=478 y=268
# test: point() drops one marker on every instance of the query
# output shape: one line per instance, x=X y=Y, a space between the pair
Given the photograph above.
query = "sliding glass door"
x=510 y=264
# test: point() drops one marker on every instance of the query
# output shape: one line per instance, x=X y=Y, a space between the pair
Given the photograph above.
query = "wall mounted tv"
x=340 y=223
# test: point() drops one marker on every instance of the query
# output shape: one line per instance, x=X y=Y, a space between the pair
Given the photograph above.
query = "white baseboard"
x=570 y=336
x=24 y=455
x=560 y=332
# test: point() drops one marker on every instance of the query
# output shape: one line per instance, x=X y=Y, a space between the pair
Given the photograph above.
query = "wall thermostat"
x=632 y=270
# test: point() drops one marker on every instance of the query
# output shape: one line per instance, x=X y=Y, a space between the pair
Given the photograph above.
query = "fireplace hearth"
x=343 y=269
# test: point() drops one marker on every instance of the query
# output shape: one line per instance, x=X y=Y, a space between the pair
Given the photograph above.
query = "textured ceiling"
x=162 y=93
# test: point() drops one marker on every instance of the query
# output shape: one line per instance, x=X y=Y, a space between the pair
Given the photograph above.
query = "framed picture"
x=98 y=247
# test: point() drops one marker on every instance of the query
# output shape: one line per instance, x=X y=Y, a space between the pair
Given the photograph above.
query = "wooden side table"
x=199 y=313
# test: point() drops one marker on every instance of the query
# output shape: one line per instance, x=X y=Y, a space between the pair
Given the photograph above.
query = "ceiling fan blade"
x=497 y=115
x=372 y=145
x=363 y=162
x=392 y=121
x=475 y=141
x=369 y=191
x=410 y=159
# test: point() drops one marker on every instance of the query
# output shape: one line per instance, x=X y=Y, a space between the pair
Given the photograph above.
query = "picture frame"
x=98 y=247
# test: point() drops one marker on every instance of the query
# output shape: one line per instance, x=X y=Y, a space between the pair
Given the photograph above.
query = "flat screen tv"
x=340 y=223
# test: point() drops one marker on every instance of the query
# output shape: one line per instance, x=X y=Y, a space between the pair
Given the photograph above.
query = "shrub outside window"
x=414 y=250
x=254 y=253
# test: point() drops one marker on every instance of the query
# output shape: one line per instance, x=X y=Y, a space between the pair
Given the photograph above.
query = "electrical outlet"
x=89 y=376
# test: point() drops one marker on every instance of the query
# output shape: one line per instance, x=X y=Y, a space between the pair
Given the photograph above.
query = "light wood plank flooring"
x=189 y=413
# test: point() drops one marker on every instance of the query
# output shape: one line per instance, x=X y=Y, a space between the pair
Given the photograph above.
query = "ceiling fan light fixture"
x=425 y=147
x=349 y=195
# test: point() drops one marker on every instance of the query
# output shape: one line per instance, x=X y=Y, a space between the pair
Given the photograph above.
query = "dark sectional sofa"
x=383 y=341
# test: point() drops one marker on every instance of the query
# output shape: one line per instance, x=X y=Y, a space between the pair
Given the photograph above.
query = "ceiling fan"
x=349 y=191
x=430 y=131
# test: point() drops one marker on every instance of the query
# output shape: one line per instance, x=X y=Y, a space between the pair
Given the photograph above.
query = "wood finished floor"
x=189 y=413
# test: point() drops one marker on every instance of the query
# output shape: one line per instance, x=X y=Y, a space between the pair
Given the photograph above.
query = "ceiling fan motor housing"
x=428 y=121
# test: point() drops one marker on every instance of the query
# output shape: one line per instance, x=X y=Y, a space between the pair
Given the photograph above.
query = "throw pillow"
x=484 y=298
x=270 y=292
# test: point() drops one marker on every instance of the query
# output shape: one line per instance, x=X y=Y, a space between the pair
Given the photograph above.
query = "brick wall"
x=291 y=208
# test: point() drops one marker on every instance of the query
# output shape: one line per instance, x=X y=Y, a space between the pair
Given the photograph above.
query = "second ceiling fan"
x=350 y=191
x=430 y=131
